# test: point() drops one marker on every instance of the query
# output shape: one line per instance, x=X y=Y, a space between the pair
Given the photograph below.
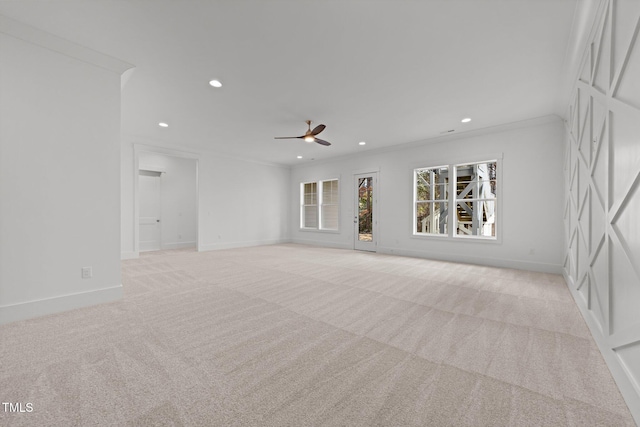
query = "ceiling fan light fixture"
x=163 y=125
x=310 y=135
x=215 y=83
x=466 y=120
x=362 y=143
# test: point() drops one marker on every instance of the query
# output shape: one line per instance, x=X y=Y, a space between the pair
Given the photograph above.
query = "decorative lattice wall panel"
x=602 y=178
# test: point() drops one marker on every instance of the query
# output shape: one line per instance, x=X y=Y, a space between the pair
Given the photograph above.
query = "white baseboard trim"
x=618 y=372
x=245 y=244
x=311 y=242
x=178 y=245
x=489 y=261
x=31 y=309
x=129 y=255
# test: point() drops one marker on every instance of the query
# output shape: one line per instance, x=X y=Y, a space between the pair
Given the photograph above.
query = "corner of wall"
x=68 y=150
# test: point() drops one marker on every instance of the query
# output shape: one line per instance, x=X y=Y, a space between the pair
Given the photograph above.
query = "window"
x=476 y=199
x=319 y=205
x=329 y=205
x=309 y=205
x=431 y=200
x=472 y=192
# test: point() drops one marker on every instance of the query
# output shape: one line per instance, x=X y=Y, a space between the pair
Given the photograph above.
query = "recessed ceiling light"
x=163 y=125
x=299 y=157
x=466 y=120
x=215 y=83
x=362 y=143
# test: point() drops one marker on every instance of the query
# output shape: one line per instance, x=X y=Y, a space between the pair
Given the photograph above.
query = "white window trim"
x=319 y=204
x=451 y=200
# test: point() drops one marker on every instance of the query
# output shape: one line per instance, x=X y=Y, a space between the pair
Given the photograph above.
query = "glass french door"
x=365 y=221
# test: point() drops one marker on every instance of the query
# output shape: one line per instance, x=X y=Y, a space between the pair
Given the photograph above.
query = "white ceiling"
x=385 y=72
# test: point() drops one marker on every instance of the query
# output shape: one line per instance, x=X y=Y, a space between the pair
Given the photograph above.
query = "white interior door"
x=149 y=198
x=365 y=219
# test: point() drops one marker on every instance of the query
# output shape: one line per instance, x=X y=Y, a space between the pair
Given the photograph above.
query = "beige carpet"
x=290 y=335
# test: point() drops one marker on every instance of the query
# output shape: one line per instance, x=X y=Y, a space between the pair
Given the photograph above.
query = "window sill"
x=430 y=236
x=442 y=237
x=317 y=230
x=476 y=239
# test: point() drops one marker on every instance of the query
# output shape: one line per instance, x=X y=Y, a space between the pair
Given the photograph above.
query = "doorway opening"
x=166 y=202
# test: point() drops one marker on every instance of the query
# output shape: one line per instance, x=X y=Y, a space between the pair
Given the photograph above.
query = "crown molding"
x=49 y=41
x=537 y=121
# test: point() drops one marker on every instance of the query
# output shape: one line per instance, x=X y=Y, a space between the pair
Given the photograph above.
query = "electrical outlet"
x=87 y=273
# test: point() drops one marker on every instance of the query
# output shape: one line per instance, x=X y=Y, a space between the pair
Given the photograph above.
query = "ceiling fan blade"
x=322 y=141
x=316 y=130
x=288 y=137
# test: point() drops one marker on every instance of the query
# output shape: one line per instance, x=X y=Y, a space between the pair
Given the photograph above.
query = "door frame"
x=142 y=148
x=357 y=244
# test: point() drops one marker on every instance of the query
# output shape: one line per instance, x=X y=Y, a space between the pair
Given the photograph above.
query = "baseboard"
x=489 y=261
x=129 y=255
x=178 y=245
x=31 y=309
x=618 y=372
x=243 y=244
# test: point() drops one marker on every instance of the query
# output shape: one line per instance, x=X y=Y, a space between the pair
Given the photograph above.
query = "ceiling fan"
x=310 y=135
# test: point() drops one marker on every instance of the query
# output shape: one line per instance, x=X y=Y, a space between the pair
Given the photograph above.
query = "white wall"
x=240 y=203
x=602 y=181
x=59 y=174
x=178 y=201
x=531 y=198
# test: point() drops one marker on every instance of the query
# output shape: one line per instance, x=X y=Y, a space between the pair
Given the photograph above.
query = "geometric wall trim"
x=602 y=190
x=629 y=355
